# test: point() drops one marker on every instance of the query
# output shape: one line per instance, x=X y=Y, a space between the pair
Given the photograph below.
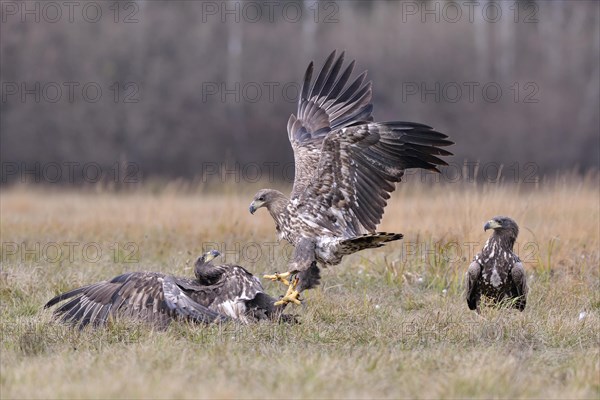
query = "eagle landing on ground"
x=497 y=272
x=346 y=166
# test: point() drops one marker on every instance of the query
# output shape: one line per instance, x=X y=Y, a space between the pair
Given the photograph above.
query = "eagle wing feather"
x=182 y=304
x=347 y=165
x=358 y=168
x=149 y=296
x=471 y=281
x=519 y=279
x=322 y=107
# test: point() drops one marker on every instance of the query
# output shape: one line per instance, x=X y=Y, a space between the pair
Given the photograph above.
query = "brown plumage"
x=497 y=272
x=219 y=293
x=346 y=167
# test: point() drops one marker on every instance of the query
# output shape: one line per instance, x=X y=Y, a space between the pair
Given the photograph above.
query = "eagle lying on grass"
x=219 y=293
x=346 y=166
x=497 y=272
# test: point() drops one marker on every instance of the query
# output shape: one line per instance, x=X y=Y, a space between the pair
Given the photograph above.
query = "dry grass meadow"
x=386 y=323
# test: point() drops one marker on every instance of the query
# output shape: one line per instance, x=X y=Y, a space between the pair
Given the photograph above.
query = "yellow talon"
x=279 y=277
x=291 y=296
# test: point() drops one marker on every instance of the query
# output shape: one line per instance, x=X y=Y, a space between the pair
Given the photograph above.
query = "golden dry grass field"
x=386 y=323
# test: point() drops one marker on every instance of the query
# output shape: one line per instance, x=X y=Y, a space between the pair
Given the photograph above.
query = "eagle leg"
x=292 y=295
x=277 y=277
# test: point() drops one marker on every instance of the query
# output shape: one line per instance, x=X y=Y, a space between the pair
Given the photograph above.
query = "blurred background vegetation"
x=185 y=84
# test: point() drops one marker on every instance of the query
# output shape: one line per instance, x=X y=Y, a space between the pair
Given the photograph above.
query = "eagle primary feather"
x=346 y=166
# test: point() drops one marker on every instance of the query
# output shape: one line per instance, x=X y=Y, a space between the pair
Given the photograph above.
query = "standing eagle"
x=218 y=293
x=346 y=166
x=497 y=271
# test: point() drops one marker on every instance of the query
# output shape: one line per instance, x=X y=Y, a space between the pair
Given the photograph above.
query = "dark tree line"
x=177 y=88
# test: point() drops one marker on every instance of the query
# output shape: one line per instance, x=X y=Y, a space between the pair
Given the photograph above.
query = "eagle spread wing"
x=323 y=108
x=346 y=165
x=147 y=296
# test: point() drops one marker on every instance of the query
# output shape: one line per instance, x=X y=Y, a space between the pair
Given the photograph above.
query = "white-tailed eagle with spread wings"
x=346 y=167
x=219 y=293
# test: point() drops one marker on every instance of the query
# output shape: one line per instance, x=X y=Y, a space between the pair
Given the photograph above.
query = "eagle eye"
x=261 y=198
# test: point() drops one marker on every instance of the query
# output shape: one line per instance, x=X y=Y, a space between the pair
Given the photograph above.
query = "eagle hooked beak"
x=491 y=224
x=255 y=205
x=211 y=255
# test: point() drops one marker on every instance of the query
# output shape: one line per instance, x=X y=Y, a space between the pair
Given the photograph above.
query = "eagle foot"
x=279 y=277
x=291 y=296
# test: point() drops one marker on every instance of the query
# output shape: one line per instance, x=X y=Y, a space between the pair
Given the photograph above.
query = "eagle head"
x=264 y=198
x=503 y=225
x=207 y=273
x=207 y=257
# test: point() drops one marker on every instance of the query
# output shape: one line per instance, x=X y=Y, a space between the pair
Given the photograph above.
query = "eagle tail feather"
x=367 y=241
